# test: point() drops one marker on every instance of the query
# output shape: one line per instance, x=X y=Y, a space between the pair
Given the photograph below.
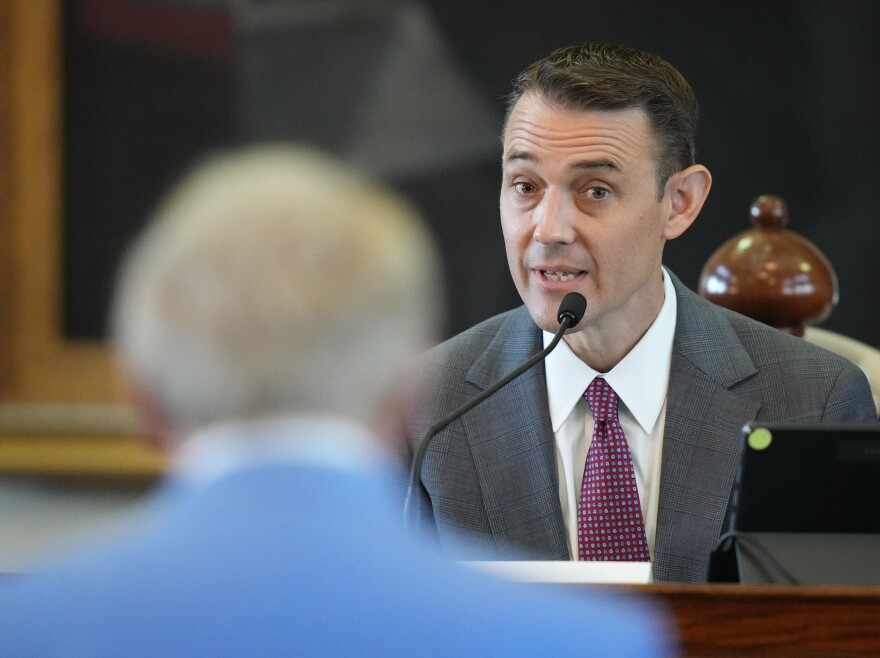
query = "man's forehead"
x=533 y=104
x=536 y=124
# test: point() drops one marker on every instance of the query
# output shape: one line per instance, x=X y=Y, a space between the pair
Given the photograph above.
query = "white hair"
x=272 y=281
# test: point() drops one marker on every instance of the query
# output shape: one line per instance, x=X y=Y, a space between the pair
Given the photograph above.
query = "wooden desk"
x=773 y=620
x=74 y=441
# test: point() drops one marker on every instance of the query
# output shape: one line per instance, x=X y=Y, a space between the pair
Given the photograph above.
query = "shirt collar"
x=640 y=379
x=217 y=450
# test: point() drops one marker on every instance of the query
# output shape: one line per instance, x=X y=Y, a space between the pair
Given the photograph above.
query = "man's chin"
x=545 y=319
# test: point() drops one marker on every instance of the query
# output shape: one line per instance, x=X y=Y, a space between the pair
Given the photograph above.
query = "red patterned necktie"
x=610 y=525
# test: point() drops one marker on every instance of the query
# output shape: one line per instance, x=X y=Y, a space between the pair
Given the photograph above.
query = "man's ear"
x=686 y=192
x=153 y=426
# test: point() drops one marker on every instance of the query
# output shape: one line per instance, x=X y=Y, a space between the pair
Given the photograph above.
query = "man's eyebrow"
x=596 y=164
x=515 y=156
x=526 y=156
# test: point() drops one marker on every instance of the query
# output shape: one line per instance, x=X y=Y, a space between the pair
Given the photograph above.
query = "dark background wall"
x=413 y=92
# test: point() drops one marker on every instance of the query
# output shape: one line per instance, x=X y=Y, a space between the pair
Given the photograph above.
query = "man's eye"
x=524 y=188
x=598 y=193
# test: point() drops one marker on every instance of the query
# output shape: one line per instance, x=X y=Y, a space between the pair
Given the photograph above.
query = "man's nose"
x=554 y=218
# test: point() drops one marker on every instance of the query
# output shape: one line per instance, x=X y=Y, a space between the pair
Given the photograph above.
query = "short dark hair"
x=598 y=76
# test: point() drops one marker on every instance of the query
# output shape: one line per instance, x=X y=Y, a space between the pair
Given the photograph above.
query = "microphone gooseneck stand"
x=571 y=310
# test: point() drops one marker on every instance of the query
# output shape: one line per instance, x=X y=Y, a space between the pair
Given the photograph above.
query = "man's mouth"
x=559 y=275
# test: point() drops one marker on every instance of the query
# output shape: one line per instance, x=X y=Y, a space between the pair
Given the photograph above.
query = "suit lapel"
x=512 y=444
x=700 y=445
x=511 y=440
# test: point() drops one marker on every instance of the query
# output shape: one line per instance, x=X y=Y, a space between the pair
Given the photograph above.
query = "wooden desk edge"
x=80 y=455
x=771 y=620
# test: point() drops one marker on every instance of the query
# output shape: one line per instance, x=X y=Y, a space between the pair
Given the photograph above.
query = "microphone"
x=570 y=312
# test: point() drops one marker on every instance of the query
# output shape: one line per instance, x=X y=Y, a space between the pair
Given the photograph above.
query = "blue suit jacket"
x=492 y=474
x=296 y=561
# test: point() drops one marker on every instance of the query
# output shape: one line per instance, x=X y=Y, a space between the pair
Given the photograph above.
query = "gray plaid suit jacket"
x=491 y=475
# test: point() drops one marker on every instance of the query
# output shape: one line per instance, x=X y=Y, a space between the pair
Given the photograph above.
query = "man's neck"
x=603 y=345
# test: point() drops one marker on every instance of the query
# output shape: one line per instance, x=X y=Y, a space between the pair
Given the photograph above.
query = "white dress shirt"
x=640 y=380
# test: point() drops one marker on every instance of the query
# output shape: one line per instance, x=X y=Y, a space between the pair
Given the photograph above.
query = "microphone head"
x=573 y=307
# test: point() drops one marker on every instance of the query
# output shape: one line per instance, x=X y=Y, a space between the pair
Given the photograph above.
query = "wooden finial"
x=771 y=273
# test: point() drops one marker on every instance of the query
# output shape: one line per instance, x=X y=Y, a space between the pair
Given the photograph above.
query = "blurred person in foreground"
x=264 y=322
x=598 y=173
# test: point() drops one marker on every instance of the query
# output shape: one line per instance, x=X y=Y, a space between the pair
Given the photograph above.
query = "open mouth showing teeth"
x=559 y=276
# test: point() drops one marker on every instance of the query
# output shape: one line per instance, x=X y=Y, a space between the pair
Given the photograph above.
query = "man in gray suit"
x=598 y=173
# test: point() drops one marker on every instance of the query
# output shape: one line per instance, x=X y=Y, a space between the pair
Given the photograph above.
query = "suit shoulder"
x=765 y=344
x=791 y=377
x=764 y=341
x=445 y=372
x=790 y=363
x=460 y=350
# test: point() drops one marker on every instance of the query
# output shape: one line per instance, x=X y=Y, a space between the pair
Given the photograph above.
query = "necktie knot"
x=602 y=400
